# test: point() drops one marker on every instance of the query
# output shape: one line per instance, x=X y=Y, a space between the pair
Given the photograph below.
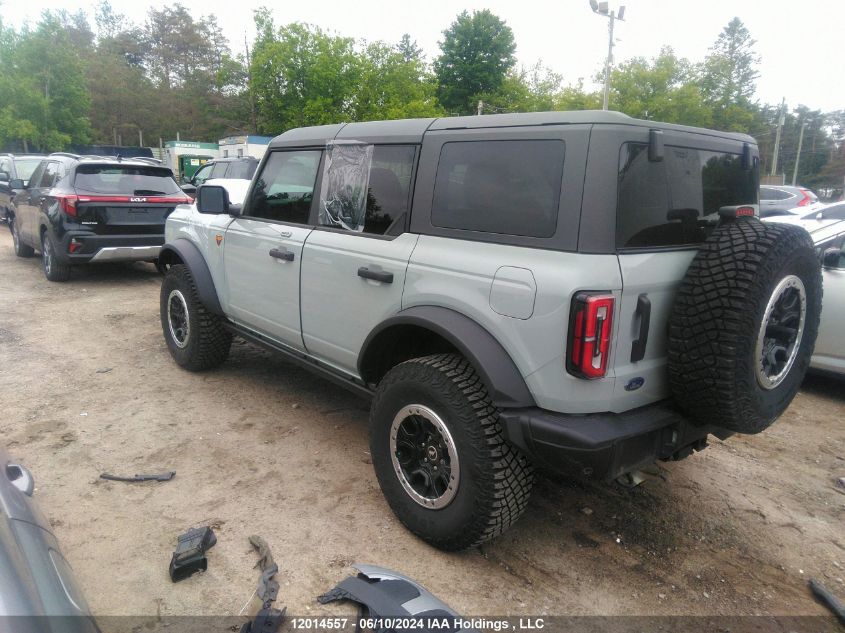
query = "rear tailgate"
x=125 y=199
x=125 y=215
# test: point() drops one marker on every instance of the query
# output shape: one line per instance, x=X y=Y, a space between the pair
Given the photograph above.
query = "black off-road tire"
x=717 y=317
x=495 y=478
x=206 y=342
x=21 y=249
x=54 y=270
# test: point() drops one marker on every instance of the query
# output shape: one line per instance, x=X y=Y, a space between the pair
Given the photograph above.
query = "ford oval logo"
x=635 y=383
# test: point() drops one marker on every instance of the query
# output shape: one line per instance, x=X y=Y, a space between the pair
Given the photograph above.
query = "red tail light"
x=590 y=324
x=806 y=200
x=68 y=204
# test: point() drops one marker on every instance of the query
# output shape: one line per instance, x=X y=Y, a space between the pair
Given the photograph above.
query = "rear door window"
x=284 y=189
x=675 y=202
x=506 y=187
x=48 y=176
x=125 y=180
x=219 y=170
x=243 y=169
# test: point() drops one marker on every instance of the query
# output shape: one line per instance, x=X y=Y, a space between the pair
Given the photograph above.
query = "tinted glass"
x=6 y=165
x=285 y=187
x=774 y=194
x=389 y=190
x=675 y=202
x=202 y=174
x=243 y=169
x=125 y=180
x=48 y=177
x=219 y=170
x=25 y=167
x=508 y=187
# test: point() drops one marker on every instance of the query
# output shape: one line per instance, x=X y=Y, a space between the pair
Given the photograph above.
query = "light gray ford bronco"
x=581 y=291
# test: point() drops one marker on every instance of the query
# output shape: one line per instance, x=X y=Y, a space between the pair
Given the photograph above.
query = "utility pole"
x=781 y=120
x=798 y=155
x=140 y=138
x=480 y=110
x=602 y=9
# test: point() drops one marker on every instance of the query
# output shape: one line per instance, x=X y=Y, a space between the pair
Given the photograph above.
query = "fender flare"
x=494 y=365
x=193 y=260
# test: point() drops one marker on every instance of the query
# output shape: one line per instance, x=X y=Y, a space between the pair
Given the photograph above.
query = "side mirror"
x=832 y=258
x=4 y=175
x=212 y=199
x=17 y=183
x=189 y=189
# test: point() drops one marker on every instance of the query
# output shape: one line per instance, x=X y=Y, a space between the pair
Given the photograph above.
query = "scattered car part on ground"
x=385 y=596
x=38 y=592
x=189 y=555
x=268 y=619
x=159 y=477
x=83 y=209
x=827 y=599
x=418 y=263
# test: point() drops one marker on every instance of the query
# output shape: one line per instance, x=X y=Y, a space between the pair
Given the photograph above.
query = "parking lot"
x=262 y=447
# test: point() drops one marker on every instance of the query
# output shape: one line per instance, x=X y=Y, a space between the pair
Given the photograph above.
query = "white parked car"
x=827 y=228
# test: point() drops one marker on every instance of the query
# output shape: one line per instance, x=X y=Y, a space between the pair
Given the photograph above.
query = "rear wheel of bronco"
x=195 y=337
x=440 y=457
x=21 y=249
x=744 y=324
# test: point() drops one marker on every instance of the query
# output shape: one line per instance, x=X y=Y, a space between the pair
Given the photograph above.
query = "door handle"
x=644 y=313
x=377 y=275
x=281 y=253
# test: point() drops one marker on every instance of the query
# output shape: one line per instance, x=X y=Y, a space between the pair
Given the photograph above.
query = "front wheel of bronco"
x=195 y=337
x=439 y=454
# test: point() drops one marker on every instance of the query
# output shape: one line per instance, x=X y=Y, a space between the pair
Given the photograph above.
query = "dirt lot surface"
x=262 y=447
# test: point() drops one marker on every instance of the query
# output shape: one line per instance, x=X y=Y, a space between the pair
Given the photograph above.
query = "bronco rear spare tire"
x=744 y=323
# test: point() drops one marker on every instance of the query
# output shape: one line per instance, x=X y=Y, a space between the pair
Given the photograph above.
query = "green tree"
x=477 y=52
x=394 y=85
x=663 y=89
x=728 y=77
x=302 y=76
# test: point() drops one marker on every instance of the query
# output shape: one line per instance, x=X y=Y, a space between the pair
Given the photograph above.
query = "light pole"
x=602 y=9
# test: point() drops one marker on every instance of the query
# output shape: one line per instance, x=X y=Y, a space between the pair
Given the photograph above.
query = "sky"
x=800 y=43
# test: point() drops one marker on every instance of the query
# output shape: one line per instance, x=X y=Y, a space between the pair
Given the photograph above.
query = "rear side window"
x=219 y=170
x=285 y=187
x=675 y=202
x=48 y=177
x=125 y=180
x=243 y=169
x=507 y=187
x=774 y=194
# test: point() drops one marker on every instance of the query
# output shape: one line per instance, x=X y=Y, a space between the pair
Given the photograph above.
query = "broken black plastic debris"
x=189 y=555
x=268 y=619
x=159 y=477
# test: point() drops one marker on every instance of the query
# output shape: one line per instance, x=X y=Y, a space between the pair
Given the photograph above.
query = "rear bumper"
x=104 y=248
x=605 y=445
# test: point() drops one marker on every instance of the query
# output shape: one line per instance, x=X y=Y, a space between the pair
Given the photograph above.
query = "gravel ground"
x=262 y=447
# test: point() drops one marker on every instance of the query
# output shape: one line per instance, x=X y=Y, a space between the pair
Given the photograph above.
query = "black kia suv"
x=86 y=209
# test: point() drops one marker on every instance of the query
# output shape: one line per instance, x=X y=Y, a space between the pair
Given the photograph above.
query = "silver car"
x=827 y=228
x=781 y=200
x=38 y=592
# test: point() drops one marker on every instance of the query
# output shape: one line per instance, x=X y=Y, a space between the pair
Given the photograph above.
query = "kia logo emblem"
x=137 y=199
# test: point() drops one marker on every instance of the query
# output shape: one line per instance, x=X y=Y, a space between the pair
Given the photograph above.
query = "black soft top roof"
x=413 y=130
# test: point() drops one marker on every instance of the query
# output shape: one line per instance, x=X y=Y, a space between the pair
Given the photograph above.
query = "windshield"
x=25 y=167
x=125 y=180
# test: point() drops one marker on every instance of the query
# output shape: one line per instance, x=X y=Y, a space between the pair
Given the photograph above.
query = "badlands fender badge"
x=635 y=383
x=218 y=238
